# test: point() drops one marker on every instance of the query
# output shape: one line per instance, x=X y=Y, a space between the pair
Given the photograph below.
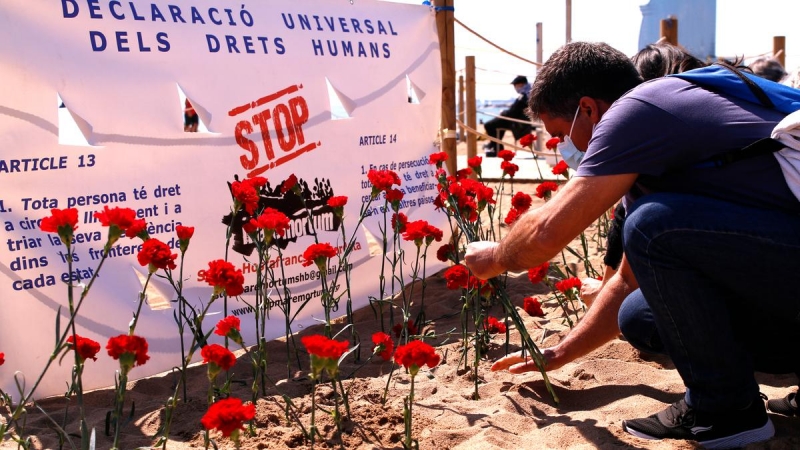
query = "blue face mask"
x=569 y=153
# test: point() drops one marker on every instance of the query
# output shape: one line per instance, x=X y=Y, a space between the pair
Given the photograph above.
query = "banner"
x=92 y=105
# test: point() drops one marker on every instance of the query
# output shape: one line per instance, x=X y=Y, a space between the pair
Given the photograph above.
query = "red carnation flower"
x=156 y=255
x=394 y=195
x=184 y=233
x=64 y=222
x=230 y=328
x=506 y=155
x=543 y=190
x=337 y=202
x=509 y=169
x=475 y=162
x=445 y=253
x=399 y=221
x=462 y=174
x=131 y=351
x=245 y=193
x=493 y=326
x=569 y=283
x=420 y=229
x=122 y=218
x=537 y=274
x=2 y=358
x=560 y=168
x=438 y=158
x=527 y=140
x=224 y=277
x=412 y=330
x=288 y=184
x=552 y=143
x=219 y=355
x=457 y=277
x=532 y=306
x=383 y=345
x=318 y=254
x=382 y=180
x=138 y=228
x=521 y=201
x=324 y=347
x=416 y=354
x=228 y=416
x=86 y=348
x=271 y=221
x=513 y=215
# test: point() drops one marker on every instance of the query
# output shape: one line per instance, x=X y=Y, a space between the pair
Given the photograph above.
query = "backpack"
x=784 y=141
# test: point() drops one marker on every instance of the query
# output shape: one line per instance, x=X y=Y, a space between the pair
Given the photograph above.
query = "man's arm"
x=598 y=326
x=540 y=234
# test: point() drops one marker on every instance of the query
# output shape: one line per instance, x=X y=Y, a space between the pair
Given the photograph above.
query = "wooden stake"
x=461 y=109
x=669 y=30
x=472 y=141
x=444 y=25
x=779 y=49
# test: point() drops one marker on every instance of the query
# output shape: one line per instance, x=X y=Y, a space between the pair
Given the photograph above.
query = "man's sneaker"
x=712 y=430
x=786 y=406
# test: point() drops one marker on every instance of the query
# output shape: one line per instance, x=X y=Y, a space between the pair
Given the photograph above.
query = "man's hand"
x=480 y=259
x=515 y=363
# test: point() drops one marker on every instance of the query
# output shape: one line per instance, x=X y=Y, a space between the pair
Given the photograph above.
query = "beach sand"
x=596 y=393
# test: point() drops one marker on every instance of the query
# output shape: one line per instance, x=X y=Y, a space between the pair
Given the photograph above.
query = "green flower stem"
x=118 y=404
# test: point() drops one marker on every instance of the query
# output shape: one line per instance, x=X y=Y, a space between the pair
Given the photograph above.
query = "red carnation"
x=537 y=274
x=224 y=277
x=288 y=184
x=457 y=277
x=552 y=143
x=506 y=155
x=2 y=358
x=560 y=168
x=318 y=254
x=438 y=158
x=228 y=416
x=64 y=222
x=138 y=228
x=338 y=201
x=383 y=345
x=412 y=330
x=527 y=140
x=399 y=221
x=245 y=193
x=117 y=220
x=532 y=306
x=475 y=162
x=446 y=253
x=493 y=326
x=229 y=327
x=382 y=180
x=156 y=255
x=509 y=169
x=416 y=354
x=394 y=196
x=184 y=233
x=325 y=353
x=130 y=350
x=86 y=348
x=513 y=215
x=219 y=355
x=569 y=283
x=420 y=229
x=521 y=201
x=543 y=190
x=271 y=221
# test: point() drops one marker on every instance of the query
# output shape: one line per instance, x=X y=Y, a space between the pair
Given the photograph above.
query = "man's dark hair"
x=581 y=69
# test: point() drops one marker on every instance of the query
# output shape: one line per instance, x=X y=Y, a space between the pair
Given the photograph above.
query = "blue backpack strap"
x=724 y=80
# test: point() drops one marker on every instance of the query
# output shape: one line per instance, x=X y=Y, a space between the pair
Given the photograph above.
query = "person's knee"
x=637 y=325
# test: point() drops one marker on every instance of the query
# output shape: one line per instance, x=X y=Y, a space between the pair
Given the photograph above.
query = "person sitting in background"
x=769 y=68
x=497 y=126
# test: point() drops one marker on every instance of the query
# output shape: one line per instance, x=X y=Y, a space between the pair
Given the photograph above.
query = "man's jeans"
x=719 y=293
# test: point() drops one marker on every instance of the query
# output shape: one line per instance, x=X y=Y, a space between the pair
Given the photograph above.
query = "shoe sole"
x=734 y=441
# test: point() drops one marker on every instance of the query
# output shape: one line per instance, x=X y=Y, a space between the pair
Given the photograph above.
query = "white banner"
x=91 y=114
